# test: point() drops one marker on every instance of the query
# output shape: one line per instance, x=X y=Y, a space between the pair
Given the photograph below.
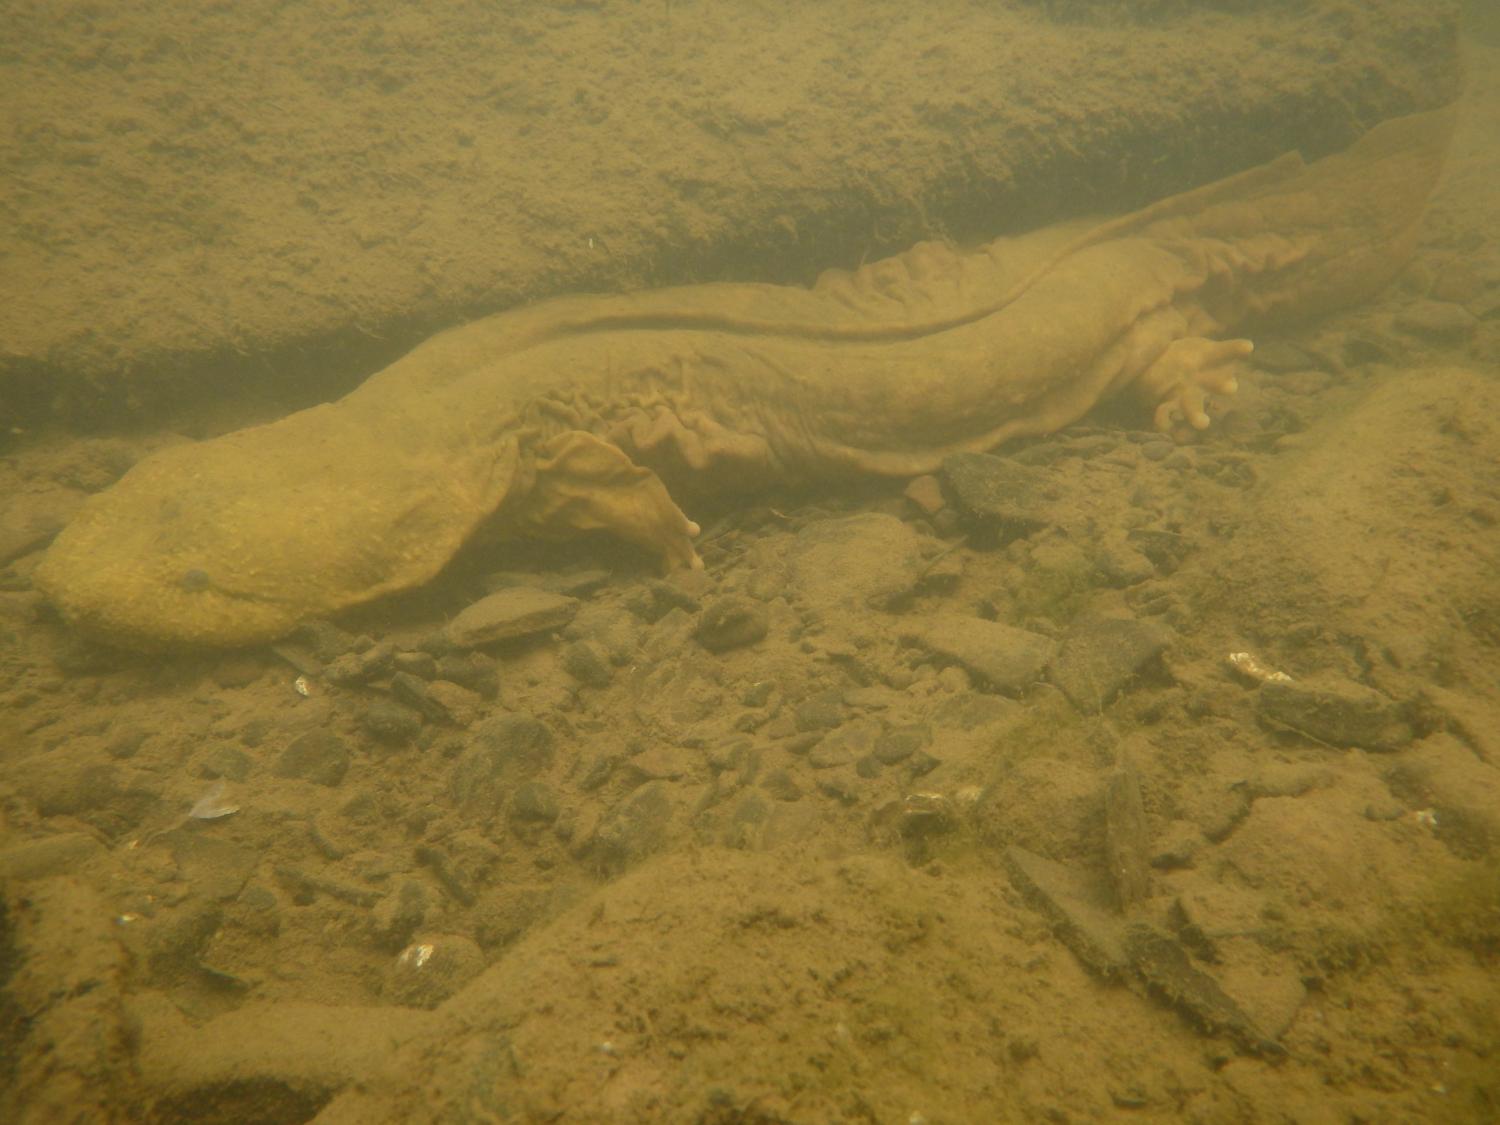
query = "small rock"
x=664 y=763
x=534 y=803
x=389 y=722
x=634 y=830
x=897 y=745
x=587 y=663
x=508 y=750
x=1337 y=711
x=225 y=761
x=1438 y=321
x=523 y=744
x=823 y=711
x=51 y=855
x=997 y=492
x=510 y=614
x=360 y=667
x=732 y=622
x=422 y=665
x=658 y=599
x=476 y=671
x=1280 y=356
x=1101 y=655
x=318 y=756
x=239 y=670
x=459 y=706
x=1004 y=657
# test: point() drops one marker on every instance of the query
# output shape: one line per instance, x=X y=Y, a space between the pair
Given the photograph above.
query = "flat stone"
x=1100 y=656
x=1003 y=657
x=997 y=492
x=389 y=722
x=732 y=622
x=1438 y=321
x=1336 y=711
x=50 y=855
x=318 y=756
x=510 y=614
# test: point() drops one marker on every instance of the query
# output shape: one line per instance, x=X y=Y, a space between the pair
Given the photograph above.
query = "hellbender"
x=578 y=413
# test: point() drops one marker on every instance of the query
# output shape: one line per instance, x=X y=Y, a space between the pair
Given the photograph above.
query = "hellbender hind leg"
x=1180 y=380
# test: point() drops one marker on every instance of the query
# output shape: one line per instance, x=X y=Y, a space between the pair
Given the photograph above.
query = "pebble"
x=1100 y=656
x=61 y=854
x=318 y=756
x=996 y=491
x=1003 y=657
x=1336 y=711
x=587 y=663
x=389 y=722
x=732 y=622
x=225 y=761
x=1438 y=321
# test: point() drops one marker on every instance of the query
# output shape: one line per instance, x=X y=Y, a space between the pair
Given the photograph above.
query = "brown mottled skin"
x=570 y=414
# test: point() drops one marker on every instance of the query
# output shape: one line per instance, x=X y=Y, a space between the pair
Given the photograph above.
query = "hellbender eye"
x=194 y=580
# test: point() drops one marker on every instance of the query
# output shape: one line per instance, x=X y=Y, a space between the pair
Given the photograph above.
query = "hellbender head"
x=237 y=540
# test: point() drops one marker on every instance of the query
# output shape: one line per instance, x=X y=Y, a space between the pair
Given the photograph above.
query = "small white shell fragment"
x=416 y=955
x=1250 y=668
x=212 y=805
x=303 y=688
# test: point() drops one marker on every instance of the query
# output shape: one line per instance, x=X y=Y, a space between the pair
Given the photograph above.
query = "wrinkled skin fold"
x=582 y=413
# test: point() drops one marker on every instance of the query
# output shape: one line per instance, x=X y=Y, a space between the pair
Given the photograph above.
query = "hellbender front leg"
x=1191 y=368
x=583 y=483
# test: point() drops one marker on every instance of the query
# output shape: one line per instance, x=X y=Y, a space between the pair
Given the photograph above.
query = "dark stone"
x=214 y=867
x=823 y=711
x=126 y=744
x=731 y=622
x=523 y=743
x=534 y=803
x=389 y=722
x=318 y=756
x=1100 y=656
x=225 y=761
x=423 y=665
x=1338 y=712
x=634 y=830
x=659 y=599
x=506 y=751
x=897 y=745
x=1165 y=549
x=842 y=746
x=997 y=493
x=238 y=671
x=1363 y=346
x=1280 y=356
x=586 y=662
x=361 y=667
x=1439 y=321
x=477 y=671
x=781 y=785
